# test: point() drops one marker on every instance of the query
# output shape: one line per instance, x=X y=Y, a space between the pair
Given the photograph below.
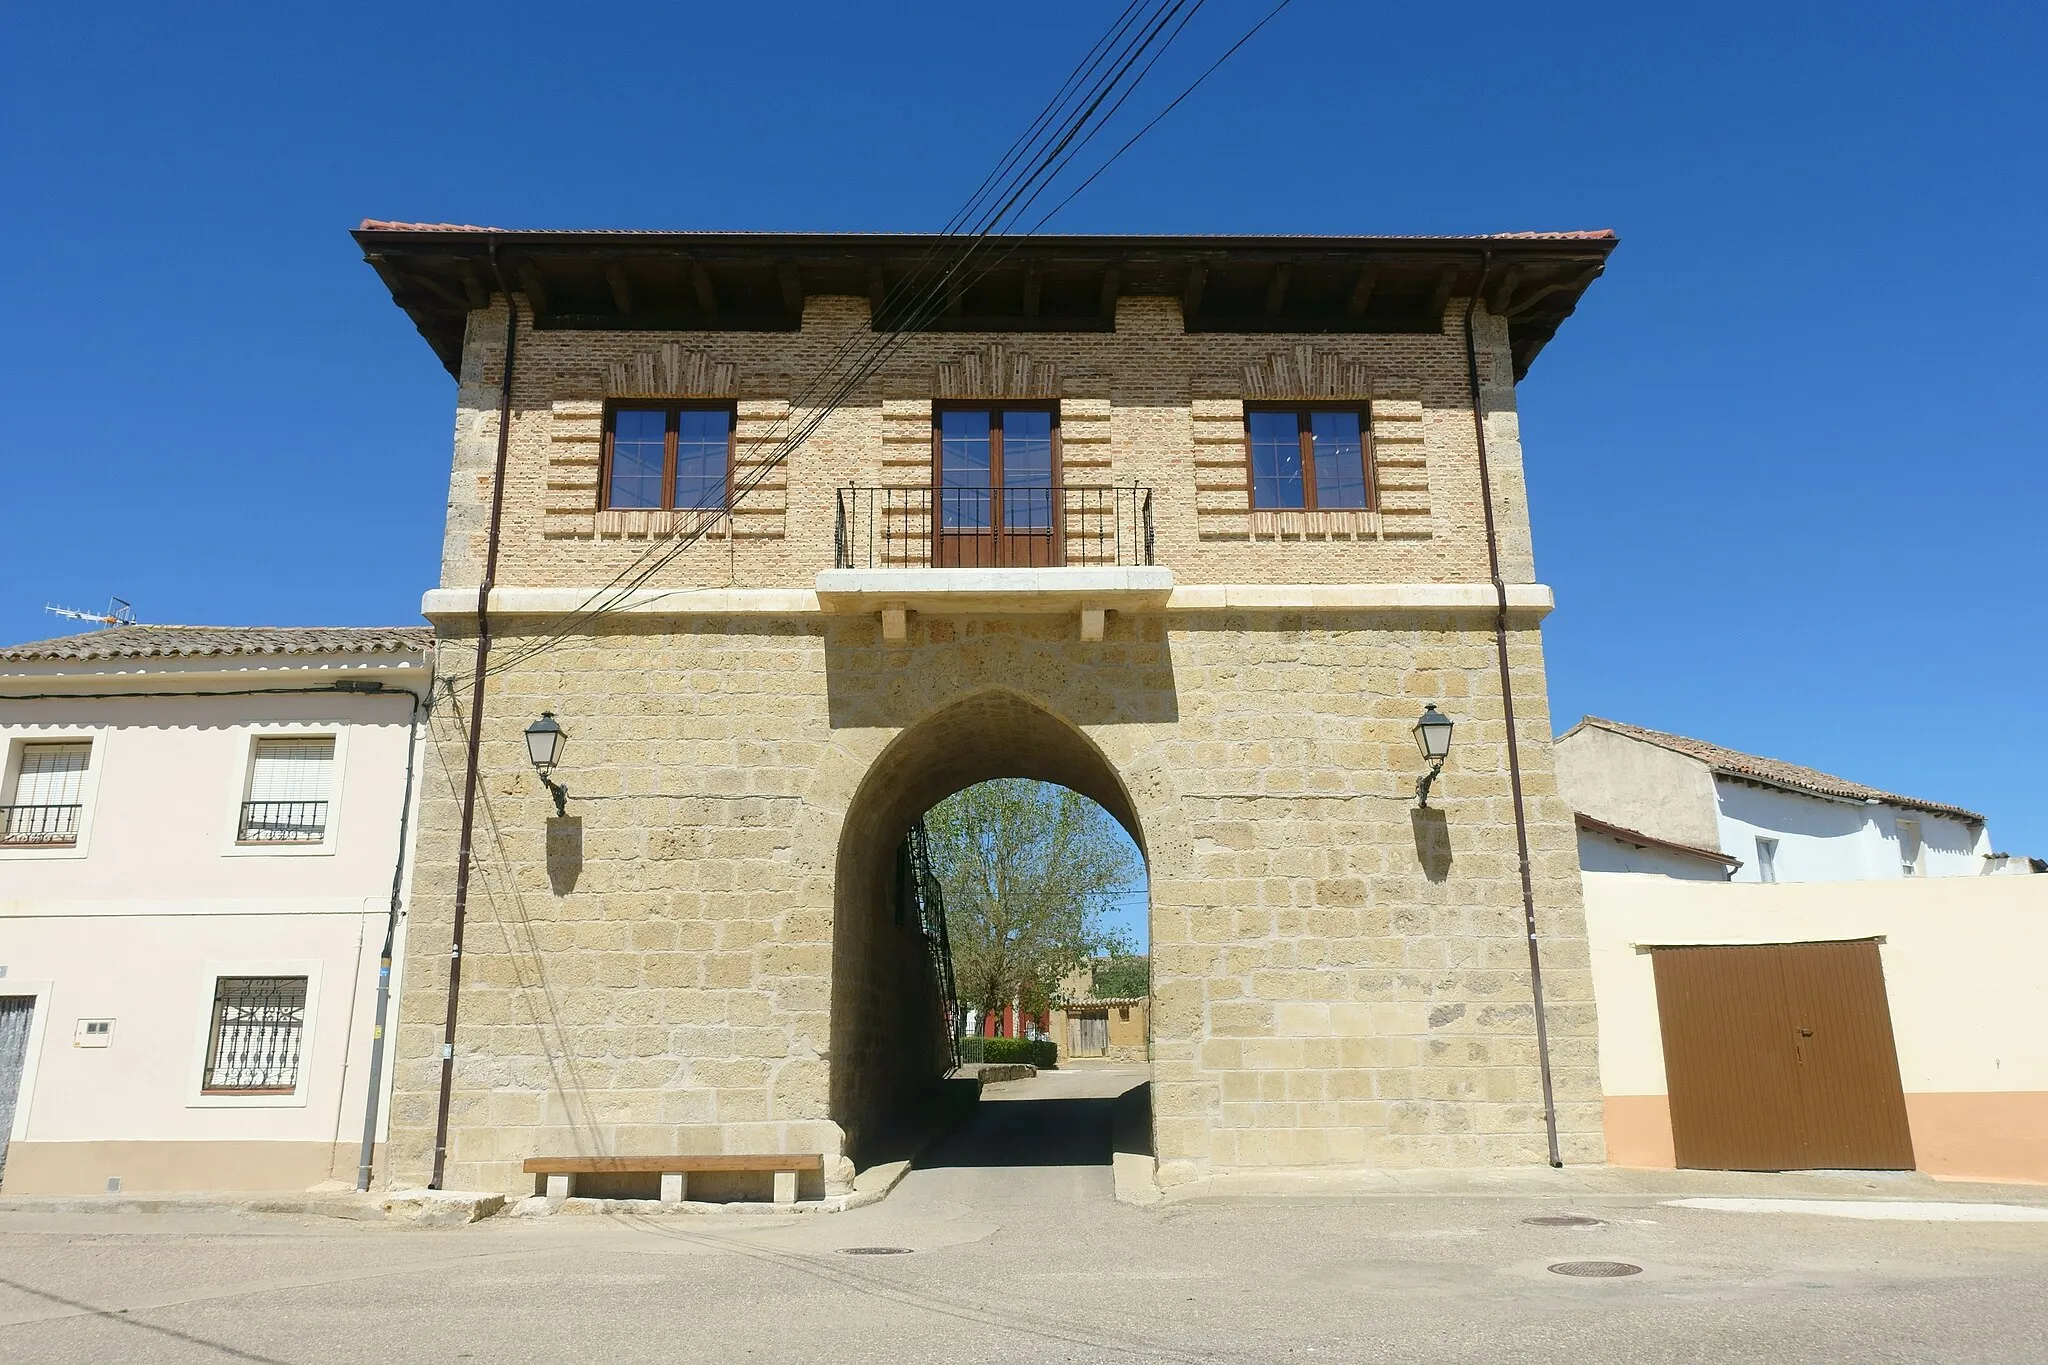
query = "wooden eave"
x=685 y=281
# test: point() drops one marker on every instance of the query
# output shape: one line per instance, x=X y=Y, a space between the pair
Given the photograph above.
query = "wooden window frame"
x=1308 y=454
x=668 y=407
x=995 y=406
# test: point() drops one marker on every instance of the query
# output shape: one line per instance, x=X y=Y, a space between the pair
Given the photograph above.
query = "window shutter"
x=291 y=770
x=52 y=774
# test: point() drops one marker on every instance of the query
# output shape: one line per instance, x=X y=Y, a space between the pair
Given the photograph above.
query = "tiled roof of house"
x=189 y=642
x=1636 y=836
x=1772 y=772
x=393 y=225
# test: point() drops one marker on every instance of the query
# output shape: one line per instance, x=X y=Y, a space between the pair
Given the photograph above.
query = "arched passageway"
x=888 y=1033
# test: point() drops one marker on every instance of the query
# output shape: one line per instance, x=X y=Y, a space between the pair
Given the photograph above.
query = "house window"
x=1912 y=863
x=48 y=794
x=1312 y=459
x=1766 y=859
x=288 y=791
x=668 y=457
x=253 y=1046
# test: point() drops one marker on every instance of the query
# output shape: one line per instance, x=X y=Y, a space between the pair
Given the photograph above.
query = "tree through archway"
x=889 y=1045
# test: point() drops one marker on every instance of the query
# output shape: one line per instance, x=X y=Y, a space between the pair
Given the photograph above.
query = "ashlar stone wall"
x=701 y=960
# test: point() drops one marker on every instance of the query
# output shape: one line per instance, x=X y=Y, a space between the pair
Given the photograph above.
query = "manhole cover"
x=1596 y=1270
x=1562 y=1220
x=874 y=1251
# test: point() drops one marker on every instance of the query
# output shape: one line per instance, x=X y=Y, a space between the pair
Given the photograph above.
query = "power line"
x=1064 y=128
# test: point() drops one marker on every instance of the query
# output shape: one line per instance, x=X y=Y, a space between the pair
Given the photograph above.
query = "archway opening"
x=892 y=1030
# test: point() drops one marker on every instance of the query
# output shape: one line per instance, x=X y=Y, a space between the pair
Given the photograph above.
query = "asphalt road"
x=1013 y=1249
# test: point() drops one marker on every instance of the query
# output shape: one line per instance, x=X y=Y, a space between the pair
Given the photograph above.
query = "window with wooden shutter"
x=289 y=782
x=49 y=789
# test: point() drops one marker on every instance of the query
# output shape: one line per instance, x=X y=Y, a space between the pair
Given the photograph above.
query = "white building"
x=1655 y=802
x=202 y=842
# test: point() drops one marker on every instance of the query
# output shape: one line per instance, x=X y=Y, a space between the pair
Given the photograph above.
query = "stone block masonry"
x=1339 y=977
x=705 y=956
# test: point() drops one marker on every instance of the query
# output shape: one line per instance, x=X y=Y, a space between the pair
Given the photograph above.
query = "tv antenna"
x=118 y=613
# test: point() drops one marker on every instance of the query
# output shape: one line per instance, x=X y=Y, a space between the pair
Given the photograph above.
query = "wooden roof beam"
x=1106 y=306
x=791 y=280
x=1361 y=291
x=1033 y=284
x=1276 y=289
x=1440 y=297
x=878 y=291
x=536 y=291
x=1191 y=295
x=622 y=292
x=700 y=281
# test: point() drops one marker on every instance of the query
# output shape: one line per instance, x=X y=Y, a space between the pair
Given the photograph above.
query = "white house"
x=203 y=842
x=1655 y=802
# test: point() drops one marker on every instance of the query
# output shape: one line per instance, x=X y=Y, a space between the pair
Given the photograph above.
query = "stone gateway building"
x=795 y=535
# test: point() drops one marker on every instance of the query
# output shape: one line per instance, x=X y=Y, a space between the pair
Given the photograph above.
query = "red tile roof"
x=1636 y=836
x=188 y=642
x=1773 y=772
x=394 y=225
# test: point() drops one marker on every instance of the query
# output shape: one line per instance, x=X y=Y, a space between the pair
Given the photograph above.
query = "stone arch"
x=883 y=1051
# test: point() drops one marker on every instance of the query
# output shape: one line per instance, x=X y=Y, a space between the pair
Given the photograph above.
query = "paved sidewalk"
x=1009 y=1247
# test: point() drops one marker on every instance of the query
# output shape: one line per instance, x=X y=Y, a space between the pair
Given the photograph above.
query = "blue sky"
x=1785 y=462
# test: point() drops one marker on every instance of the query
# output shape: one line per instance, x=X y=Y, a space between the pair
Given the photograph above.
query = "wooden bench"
x=674 y=1171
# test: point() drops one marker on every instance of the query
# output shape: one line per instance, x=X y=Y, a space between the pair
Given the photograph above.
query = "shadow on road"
x=1081 y=1131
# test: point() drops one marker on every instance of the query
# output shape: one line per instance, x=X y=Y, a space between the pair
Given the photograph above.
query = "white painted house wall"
x=1824 y=840
x=157 y=900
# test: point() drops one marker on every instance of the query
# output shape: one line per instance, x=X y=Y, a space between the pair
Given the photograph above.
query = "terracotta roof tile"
x=1773 y=772
x=190 y=642
x=1636 y=836
x=1567 y=235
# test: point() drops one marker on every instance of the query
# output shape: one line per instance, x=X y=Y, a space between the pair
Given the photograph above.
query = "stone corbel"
x=895 y=623
x=1092 y=621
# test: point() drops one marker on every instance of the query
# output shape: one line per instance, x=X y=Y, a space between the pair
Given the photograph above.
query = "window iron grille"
x=258 y=1024
x=46 y=825
x=283 y=822
x=986 y=527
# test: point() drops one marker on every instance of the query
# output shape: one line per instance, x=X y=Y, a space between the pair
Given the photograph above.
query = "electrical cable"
x=1055 y=154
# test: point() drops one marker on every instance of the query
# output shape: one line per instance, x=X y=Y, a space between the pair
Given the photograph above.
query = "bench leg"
x=675 y=1186
x=559 y=1186
x=785 y=1187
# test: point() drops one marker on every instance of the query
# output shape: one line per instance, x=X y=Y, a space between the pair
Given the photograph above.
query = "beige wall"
x=1962 y=961
x=136 y=923
x=1638 y=786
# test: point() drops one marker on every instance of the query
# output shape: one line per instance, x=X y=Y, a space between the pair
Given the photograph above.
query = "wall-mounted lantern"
x=1433 y=737
x=544 y=743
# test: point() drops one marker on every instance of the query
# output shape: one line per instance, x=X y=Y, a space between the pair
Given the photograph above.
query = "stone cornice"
x=912 y=588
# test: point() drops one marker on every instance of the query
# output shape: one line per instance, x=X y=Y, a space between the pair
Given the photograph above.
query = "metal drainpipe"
x=369 y=1151
x=1507 y=698
x=476 y=726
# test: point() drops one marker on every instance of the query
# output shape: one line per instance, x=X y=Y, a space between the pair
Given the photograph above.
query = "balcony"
x=1055 y=549
x=1063 y=526
x=282 y=822
x=39 y=826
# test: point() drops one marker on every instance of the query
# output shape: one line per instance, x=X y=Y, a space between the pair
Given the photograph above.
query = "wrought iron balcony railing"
x=46 y=825
x=283 y=822
x=1059 y=526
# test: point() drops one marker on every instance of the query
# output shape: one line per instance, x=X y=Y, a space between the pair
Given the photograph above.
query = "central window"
x=996 y=477
x=668 y=457
x=1309 y=458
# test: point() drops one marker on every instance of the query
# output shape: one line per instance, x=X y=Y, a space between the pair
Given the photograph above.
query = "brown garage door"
x=1779 y=1057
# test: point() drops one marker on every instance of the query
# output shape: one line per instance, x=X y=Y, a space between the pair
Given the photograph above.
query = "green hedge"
x=1039 y=1052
